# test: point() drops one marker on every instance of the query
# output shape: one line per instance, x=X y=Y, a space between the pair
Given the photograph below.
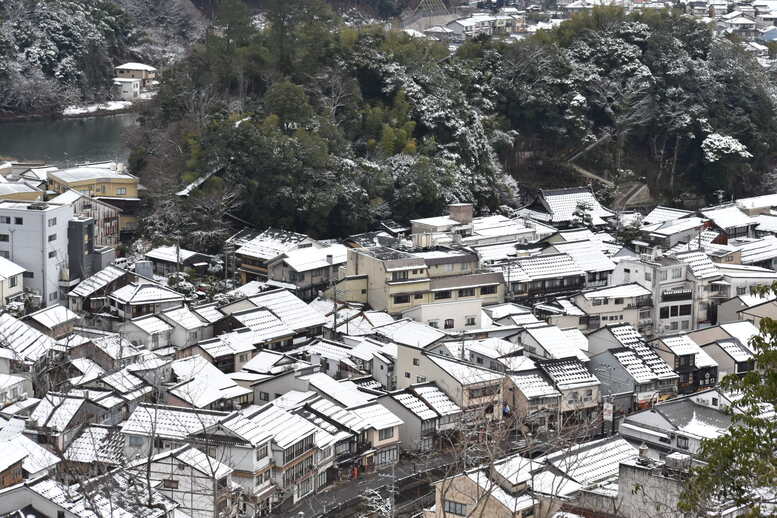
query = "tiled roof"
x=410 y=332
x=377 y=416
x=289 y=308
x=562 y=203
x=700 y=263
x=620 y=291
x=728 y=216
x=183 y=317
x=270 y=244
x=542 y=267
x=568 y=374
x=555 y=343
x=9 y=269
x=682 y=345
x=661 y=214
x=56 y=411
x=587 y=254
x=170 y=422
x=265 y=325
x=25 y=341
x=436 y=399
x=533 y=384
x=145 y=293
x=311 y=258
x=97 y=444
x=170 y=254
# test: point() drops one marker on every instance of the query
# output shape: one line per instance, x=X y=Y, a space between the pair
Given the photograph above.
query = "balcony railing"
x=676 y=296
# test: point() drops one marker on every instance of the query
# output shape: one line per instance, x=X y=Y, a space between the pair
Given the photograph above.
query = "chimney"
x=643 y=450
x=461 y=212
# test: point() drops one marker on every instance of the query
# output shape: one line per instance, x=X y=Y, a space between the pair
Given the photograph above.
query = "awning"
x=721 y=283
x=644 y=430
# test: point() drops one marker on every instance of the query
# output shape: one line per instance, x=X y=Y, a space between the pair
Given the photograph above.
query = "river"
x=66 y=142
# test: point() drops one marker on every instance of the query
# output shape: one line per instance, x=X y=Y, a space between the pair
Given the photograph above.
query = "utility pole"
x=330 y=260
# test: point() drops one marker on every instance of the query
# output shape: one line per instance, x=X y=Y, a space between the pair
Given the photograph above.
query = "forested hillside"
x=55 y=53
x=327 y=130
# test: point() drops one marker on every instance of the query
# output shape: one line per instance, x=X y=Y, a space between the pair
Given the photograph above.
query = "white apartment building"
x=34 y=236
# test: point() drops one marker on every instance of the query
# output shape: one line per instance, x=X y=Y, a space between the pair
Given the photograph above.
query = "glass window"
x=386 y=434
x=401 y=299
x=399 y=276
x=18 y=221
x=14 y=281
x=682 y=442
x=416 y=362
x=488 y=290
x=52 y=237
x=52 y=254
x=4 y=238
x=455 y=508
x=448 y=323
x=663 y=275
x=470 y=320
x=434 y=323
x=121 y=190
x=419 y=295
x=5 y=220
x=170 y=484
x=442 y=295
x=467 y=292
x=261 y=452
x=52 y=222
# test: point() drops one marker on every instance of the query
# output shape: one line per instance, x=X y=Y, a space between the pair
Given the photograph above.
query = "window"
x=448 y=323
x=52 y=254
x=455 y=508
x=664 y=312
x=740 y=290
x=4 y=238
x=434 y=323
x=685 y=309
x=677 y=273
x=52 y=222
x=418 y=296
x=470 y=321
x=416 y=362
x=420 y=379
x=264 y=396
x=386 y=434
x=618 y=300
x=60 y=514
x=5 y=254
x=18 y=221
x=684 y=324
x=483 y=391
x=674 y=311
x=663 y=275
x=488 y=290
x=467 y=292
x=442 y=295
x=648 y=276
x=261 y=452
x=673 y=326
x=14 y=281
x=682 y=442
x=5 y=220
x=28 y=275
x=170 y=483
x=121 y=190
x=714 y=401
x=136 y=441
x=401 y=299
x=52 y=237
x=399 y=276
x=407 y=374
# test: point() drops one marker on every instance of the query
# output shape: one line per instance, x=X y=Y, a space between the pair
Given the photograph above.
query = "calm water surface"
x=67 y=142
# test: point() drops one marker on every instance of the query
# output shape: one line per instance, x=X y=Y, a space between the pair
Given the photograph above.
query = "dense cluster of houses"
x=753 y=23
x=329 y=359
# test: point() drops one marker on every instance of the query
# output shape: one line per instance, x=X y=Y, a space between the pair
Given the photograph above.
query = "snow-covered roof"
x=661 y=214
x=737 y=352
x=344 y=392
x=208 y=312
x=588 y=255
x=415 y=405
x=136 y=66
x=378 y=416
x=533 y=384
x=464 y=372
x=562 y=203
x=169 y=254
x=766 y=223
x=568 y=374
x=682 y=345
x=270 y=362
x=151 y=324
x=270 y=244
x=97 y=281
x=97 y=444
x=700 y=263
x=539 y=267
x=743 y=331
x=265 y=325
x=285 y=427
x=409 y=332
x=202 y=383
x=436 y=399
x=311 y=258
x=36 y=458
x=675 y=226
x=593 y=462
x=116 y=347
x=89 y=370
x=728 y=216
x=89 y=173
x=758 y=202
x=9 y=269
x=289 y=308
x=338 y=414
x=56 y=411
x=25 y=341
x=229 y=344
x=741 y=271
x=169 y=422
x=145 y=293
x=52 y=316
x=183 y=317
x=631 y=290
x=758 y=250
x=555 y=342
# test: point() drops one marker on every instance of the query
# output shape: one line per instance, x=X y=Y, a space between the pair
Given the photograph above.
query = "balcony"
x=675 y=296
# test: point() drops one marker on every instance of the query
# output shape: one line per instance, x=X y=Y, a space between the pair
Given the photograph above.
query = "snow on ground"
x=92 y=108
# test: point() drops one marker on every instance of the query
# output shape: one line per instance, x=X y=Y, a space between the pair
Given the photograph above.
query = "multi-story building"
x=310 y=269
x=626 y=303
x=34 y=235
x=106 y=182
x=252 y=251
x=11 y=285
x=696 y=369
x=394 y=281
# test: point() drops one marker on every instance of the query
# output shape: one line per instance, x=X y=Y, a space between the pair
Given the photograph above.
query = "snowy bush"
x=717 y=146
